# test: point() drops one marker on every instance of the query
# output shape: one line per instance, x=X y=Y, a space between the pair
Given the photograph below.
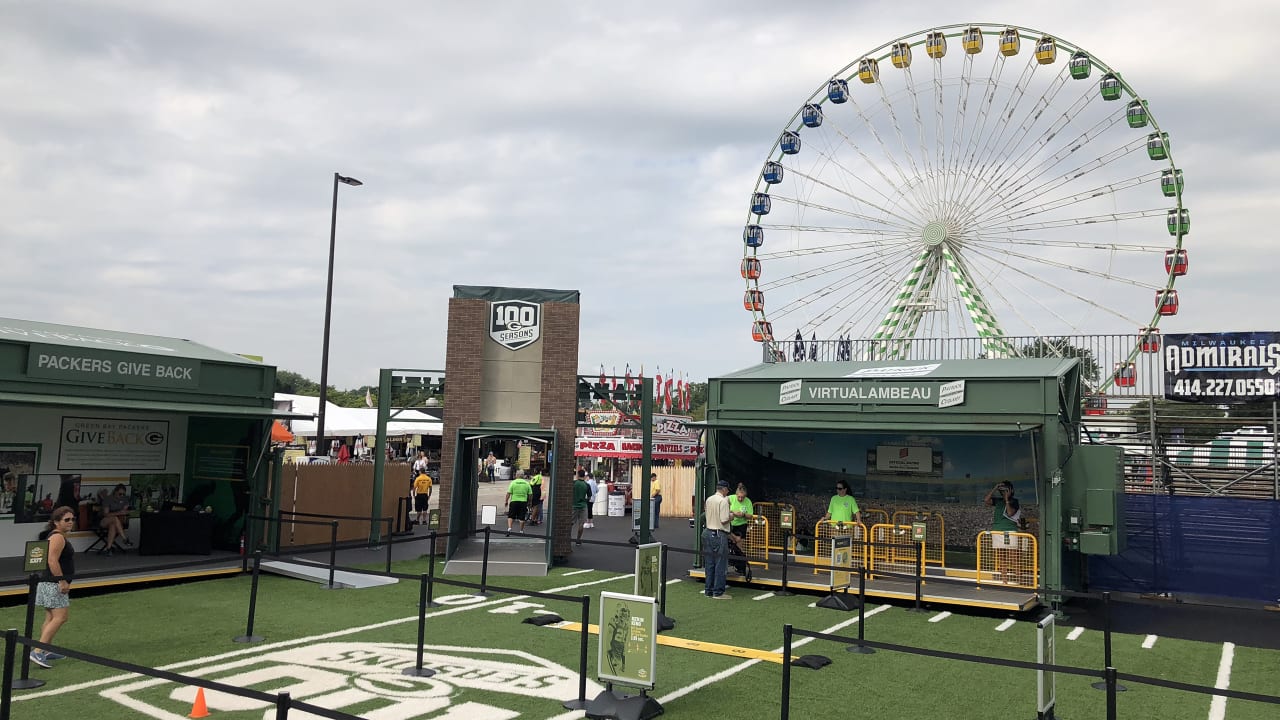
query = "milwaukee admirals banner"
x=1221 y=367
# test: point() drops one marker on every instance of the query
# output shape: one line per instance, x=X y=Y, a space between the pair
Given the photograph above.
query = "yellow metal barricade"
x=824 y=530
x=935 y=534
x=756 y=545
x=770 y=512
x=892 y=549
x=874 y=516
x=1008 y=558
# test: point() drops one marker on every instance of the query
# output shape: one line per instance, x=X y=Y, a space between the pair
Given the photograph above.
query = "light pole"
x=328 y=308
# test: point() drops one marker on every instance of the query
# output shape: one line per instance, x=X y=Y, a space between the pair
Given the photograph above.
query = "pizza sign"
x=514 y=324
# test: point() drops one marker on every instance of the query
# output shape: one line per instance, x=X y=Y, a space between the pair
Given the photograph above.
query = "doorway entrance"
x=478 y=501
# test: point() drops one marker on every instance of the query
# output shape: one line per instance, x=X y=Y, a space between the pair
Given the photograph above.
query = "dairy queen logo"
x=514 y=324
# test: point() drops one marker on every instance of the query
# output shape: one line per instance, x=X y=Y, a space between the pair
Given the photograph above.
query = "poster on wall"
x=220 y=462
x=17 y=461
x=113 y=444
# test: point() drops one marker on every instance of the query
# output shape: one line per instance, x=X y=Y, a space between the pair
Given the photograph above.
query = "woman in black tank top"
x=55 y=581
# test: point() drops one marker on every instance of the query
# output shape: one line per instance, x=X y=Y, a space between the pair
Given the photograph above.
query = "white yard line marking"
x=1075 y=633
x=673 y=581
x=813 y=604
x=1006 y=625
x=314 y=638
x=940 y=616
x=1218 y=706
x=763 y=597
x=576 y=572
x=1149 y=643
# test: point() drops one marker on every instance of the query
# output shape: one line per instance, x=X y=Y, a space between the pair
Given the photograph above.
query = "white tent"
x=341 y=421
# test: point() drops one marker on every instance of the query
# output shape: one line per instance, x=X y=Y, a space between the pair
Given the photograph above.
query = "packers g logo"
x=514 y=324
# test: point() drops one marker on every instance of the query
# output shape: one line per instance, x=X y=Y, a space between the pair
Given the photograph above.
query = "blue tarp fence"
x=1224 y=547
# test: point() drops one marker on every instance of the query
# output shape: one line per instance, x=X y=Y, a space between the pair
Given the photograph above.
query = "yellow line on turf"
x=687 y=644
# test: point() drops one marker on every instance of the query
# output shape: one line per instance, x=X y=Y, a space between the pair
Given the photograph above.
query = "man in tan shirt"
x=715 y=541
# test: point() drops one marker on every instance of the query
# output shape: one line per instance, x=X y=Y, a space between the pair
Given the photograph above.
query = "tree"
x=1197 y=422
x=1062 y=348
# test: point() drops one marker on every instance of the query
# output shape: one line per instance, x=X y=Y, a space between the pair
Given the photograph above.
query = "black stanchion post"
x=484 y=566
x=6 y=690
x=862 y=616
x=919 y=577
x=333 y=555
x=283 y=703
x=387 y=540
x=417 y=670
x=786 y=671
x=431 y=573
x=581 y=702
x=1111 y=693
x=248 y=636
x=26 y=682
x=786 y=537
x=1106 y=643
x=662 y=598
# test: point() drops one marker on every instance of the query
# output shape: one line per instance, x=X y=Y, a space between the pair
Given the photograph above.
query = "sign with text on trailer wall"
x=113 y=444
x=628 y=640
x=92 y=365
x=839 y=391
x=1222 y=367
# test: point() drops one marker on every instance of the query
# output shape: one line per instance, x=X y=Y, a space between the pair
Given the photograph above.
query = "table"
x=176 y=533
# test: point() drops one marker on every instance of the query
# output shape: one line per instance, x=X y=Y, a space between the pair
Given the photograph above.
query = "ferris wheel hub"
x=935 y=233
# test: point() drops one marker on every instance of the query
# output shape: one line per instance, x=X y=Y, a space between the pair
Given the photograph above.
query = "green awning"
x=199 y=409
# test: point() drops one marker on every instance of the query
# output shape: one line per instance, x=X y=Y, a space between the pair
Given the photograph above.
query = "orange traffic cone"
x=199 y=709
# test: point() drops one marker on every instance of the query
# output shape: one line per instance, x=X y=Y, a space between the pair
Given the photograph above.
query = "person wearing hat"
x=715 y=540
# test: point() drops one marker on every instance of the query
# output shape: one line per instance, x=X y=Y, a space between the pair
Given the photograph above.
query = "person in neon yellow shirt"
x=741 y=511
x=843 y=508
x=518 y=493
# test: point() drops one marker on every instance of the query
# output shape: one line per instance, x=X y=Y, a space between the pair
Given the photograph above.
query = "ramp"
x=319 y=574
x=508 y=556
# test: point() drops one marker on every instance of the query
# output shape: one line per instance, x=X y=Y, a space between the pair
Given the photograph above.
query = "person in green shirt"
x=518 y=493
x=741 y=512
x=581 y=500
x=843 y=508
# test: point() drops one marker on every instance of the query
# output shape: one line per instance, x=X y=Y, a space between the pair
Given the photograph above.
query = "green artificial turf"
x=346 y=648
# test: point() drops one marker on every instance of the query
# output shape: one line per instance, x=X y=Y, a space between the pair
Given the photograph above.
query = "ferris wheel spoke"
x=1006 y=180
x=1041 y=280
x=845 y=141
x=884 y=150
x=868 y=261
x=1017 y=211
x=988 y=161
x=1067 y=176
x=852 y=196
x=1086 y=220
x=978 y=138
x=1001 y=239
x=839 y=211
x=823 y=296
x=875 y=245
x=835 y=230
x=920 y=133
x=1049 y=262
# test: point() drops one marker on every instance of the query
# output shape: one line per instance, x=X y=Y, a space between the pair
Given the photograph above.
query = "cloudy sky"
x=166 y=167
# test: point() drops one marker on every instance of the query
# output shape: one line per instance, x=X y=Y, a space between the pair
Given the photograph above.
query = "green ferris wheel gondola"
x=981 y=195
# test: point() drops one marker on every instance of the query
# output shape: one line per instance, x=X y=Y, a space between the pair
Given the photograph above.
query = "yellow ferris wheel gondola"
x=1010 y=42
x=935 y=45
x=1046 y=50
x=972 y=40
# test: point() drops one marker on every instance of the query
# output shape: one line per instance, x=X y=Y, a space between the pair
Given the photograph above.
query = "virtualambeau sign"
x=871 y=392
x=514 y=324
x=1222 y=367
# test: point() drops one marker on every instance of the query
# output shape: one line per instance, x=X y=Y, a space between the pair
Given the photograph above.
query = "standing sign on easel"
x=628 y=639
x=841 y=557
x=649 y=570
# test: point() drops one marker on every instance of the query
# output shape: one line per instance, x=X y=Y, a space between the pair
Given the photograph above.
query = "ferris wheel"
x=979 y=181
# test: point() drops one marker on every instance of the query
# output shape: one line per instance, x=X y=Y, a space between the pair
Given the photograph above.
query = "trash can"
x=617 y=504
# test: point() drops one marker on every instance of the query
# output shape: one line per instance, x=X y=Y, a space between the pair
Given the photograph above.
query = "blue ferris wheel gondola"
x=790 y=143
x=773 y=172
x=811 y=115
x=838 y=90
x=760 y=203
x=753 y=236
